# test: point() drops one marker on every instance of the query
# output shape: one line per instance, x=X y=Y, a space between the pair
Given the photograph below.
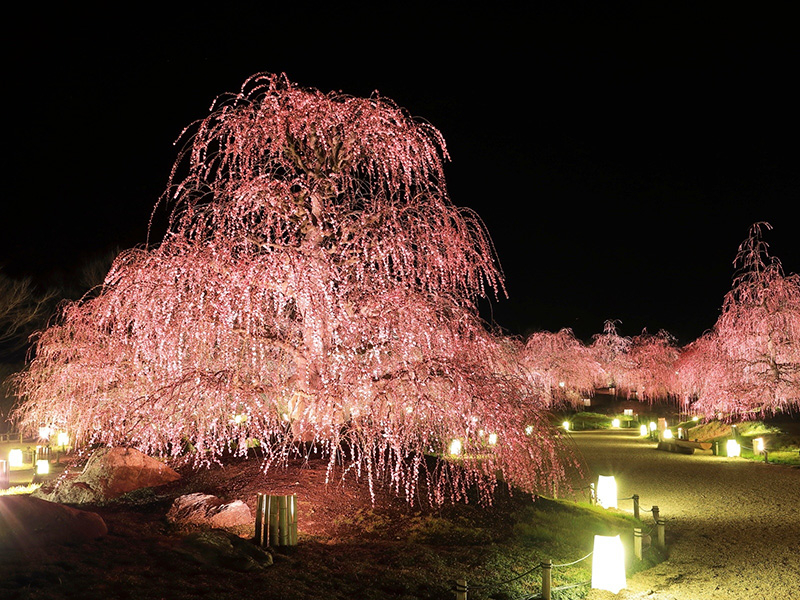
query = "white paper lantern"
x=607 y=491
x=608 y=564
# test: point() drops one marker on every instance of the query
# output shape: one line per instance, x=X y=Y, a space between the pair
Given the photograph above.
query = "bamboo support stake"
x=272 y=511
x=547 y=579
x=655 y=514
x=260 y=508
x=283 y=522
x=636 y=506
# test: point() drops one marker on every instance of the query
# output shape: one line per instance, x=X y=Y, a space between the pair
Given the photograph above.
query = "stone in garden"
x=203 y=510
x=109 y=474
x=28 y=522
x=224 y=549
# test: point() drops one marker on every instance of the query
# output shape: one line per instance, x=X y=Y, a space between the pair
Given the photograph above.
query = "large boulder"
x=28 y=522
x=209 y=512
x=224 y=549
x=109 y=474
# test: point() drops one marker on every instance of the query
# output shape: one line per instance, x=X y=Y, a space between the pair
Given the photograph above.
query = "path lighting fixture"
x=529 y=430
x=565 y=425
x=492 y=439
x=615 y=423
x=607 y=491
x=608 y=564
x=653 y=425
x=758 y=445
x=643 y=430
x=667 y=434
x=15 y=457
x=733 y=448
x=44 y=433
x=62 y=439
x=42 y=466
x=455 y=447
x=695 y=418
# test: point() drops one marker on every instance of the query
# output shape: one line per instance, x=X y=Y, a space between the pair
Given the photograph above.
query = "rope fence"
x=546 y=566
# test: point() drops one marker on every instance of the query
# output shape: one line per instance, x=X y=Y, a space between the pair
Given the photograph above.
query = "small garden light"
x=42 y=466
x=63 y=439
x=667 y=434
x=455 y=447
x=758 y=445
x=643 y=430
x=565 y=425
x=733 y=448
x=615 y=423
x=607 y=491
x=608 y=564
x=492 y=439
x=653 y=425
x=15 y=457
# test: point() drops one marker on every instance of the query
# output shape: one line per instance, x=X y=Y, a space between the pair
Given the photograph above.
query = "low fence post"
x=547 y=574
x=661 y=533
x=637 y=542
x=3 y=474
x=655 y=514
x=461 y=589
x=636 y=506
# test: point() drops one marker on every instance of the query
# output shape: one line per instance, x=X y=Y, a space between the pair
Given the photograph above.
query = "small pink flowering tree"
x=316 y=285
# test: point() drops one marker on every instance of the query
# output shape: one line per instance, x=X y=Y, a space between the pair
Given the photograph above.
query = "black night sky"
x=617 y=158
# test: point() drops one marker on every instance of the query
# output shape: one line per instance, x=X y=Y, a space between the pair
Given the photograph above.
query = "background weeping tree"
x=650 y=367
x=750 y=363
x=564 y=368
x=315 y=284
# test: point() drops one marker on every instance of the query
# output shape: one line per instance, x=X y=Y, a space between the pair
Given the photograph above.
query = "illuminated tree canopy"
x=749 y=364
x=316 y=284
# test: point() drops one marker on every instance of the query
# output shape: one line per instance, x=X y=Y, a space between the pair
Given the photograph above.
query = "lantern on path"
x=608 y=564
x=607 y=491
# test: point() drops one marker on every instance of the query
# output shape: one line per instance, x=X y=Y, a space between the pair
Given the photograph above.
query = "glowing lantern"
x=643 y=430
x=565 y=425
x=239 y=419
x=758 y=445
x=733 y=448
x=44 y=433
x=695 y=418
x=615 y=423
x=63 y=439
x=667 y=434
x=653 y=426
x=607 y=491
x=608 y=564
x=529 y=430
x=492 y=438
x=15 y=457
x=42 y=467
x=455 y=447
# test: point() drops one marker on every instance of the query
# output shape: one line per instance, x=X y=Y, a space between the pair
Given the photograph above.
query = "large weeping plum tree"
x=315 y=292
x=749 y=364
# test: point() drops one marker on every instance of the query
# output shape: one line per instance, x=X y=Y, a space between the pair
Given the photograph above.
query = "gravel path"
x=733 y=526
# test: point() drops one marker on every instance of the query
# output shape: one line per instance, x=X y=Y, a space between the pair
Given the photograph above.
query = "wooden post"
x=655 y=514
x=592 y=494
x=3 y=474
x=766 y=456
x=637 y=542
x=636 y=506
x=461 y=589
x=661 y=533
x=547 y=579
